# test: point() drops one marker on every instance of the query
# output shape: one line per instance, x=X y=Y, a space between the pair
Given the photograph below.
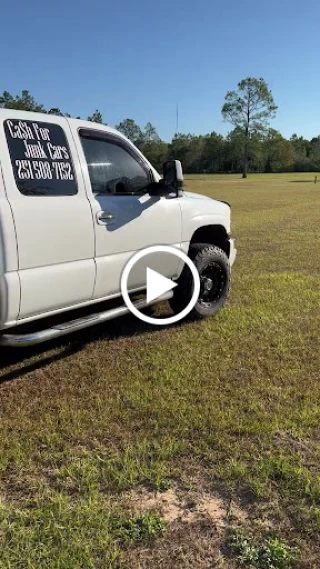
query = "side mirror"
x=172 y=175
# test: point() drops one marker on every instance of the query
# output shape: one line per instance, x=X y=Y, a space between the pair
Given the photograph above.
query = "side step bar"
x=21 y=340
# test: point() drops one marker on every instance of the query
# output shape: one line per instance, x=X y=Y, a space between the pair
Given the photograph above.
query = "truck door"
x=52 y=215
x=126 y=218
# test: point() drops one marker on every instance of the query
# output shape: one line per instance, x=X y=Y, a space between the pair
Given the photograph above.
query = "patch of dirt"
x=17 y=490
x=194 y=545
x=185 y=507
x=306 y=447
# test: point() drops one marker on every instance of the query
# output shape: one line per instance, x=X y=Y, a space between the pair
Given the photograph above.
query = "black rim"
x=213 y=280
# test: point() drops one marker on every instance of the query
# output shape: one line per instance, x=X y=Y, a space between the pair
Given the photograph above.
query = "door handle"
x=105 y=217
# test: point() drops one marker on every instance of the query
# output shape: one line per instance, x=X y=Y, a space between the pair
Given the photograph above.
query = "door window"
x=114 y=167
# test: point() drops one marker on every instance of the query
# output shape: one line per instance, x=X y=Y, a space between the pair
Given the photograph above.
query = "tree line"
x=251 y=146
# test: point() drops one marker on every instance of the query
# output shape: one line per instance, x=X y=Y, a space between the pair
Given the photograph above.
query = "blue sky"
x=137 y=59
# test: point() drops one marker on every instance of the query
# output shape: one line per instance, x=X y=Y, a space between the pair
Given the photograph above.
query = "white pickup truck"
x=77 y=200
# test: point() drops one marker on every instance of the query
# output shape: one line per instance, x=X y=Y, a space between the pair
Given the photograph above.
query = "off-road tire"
x=213 y=266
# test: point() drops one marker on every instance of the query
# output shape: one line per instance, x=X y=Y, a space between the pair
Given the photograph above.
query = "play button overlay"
x=158 y=285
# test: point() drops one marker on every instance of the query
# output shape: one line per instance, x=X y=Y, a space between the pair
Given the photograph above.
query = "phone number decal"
x=43 y=170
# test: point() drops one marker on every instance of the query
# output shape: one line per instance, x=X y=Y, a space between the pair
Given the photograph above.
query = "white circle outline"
x=160 y=249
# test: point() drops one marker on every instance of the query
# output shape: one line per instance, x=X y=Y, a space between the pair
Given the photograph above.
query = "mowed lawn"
x=190 y=447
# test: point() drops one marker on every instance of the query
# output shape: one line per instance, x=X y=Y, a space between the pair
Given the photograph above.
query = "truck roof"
x=45 y=117
x=75 y=123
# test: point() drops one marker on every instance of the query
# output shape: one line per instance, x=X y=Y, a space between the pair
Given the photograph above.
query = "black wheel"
x=214 y=270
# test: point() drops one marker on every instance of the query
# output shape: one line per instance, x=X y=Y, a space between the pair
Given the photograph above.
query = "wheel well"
x=213 y=234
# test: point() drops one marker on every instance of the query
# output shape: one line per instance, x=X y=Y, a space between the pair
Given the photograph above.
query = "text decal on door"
x=41 y=158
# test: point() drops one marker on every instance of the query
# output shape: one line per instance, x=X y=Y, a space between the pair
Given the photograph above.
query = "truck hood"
x=217 y=206
x=198 y=211
x=194 y=196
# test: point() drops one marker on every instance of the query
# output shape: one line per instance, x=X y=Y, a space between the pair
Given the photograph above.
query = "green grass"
x=270 y=554
x=230 y=405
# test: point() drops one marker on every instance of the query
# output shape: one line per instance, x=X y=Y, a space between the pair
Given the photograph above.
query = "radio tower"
x=177 y=119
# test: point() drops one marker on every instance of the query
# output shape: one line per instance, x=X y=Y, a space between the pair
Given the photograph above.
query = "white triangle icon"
x=157 y=285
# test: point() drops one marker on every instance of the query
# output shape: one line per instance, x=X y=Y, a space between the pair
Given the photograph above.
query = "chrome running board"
x=31 y=339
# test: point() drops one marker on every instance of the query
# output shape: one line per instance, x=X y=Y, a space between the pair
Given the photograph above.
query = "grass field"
x=191 y=447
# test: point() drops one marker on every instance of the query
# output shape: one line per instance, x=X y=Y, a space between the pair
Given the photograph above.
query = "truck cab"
x=77 y=200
